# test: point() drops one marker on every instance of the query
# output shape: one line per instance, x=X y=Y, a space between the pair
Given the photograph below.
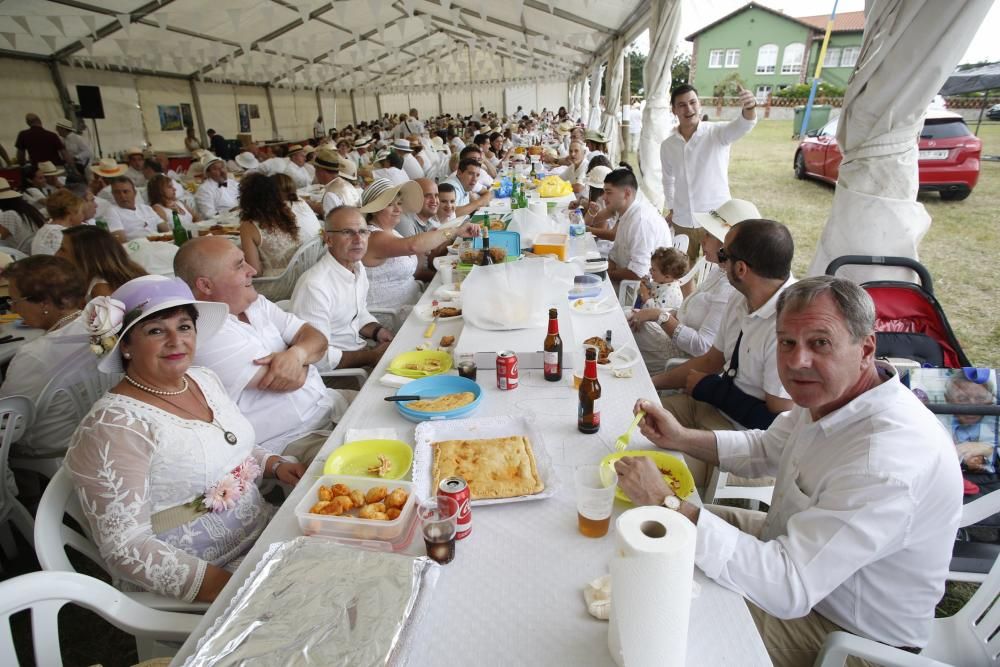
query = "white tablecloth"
x=513 y=595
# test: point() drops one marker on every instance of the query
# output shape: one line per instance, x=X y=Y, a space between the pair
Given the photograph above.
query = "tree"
x=729 y=86
x=680 y=70
x=636 y=65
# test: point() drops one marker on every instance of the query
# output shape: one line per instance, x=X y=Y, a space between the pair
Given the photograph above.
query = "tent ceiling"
x=382 y=45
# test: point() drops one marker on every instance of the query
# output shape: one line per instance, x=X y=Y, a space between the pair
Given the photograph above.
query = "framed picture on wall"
x=170 y=118
x=244 y=112
x=254 y=111
x=186 y=115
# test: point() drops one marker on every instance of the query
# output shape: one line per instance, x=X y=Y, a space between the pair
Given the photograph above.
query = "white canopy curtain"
x=664 y=26
x=610 y=123
x=909 y=49
x=594 y=120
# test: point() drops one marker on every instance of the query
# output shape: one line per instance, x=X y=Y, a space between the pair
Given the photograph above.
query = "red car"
x=948 y=163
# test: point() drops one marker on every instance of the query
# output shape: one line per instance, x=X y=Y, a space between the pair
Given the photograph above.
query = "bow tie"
x=223 y=184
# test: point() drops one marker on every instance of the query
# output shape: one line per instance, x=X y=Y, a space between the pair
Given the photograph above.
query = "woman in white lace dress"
x=268 y=231
x=392 y=259
x=165 y=464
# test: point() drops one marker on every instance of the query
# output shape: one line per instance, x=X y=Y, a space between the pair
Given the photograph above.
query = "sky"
x=696 y=14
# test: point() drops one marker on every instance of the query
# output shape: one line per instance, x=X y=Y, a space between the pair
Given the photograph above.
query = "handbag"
x=721 y=392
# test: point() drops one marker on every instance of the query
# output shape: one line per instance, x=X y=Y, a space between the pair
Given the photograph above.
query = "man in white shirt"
x=295 y=166
x=135 y=158
x=410 y=165
x=640 y=228
x=464 y=181
x=263 y=355
x=868 y=495
x=319 y=130
x=695 y=161
x=409 y=126
x=77 y=149
x=332 y=295
x=138 y=220
x=218 y=193
x=389 y=165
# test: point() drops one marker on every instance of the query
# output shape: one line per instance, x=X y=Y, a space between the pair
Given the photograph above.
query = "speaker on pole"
x=91 y=105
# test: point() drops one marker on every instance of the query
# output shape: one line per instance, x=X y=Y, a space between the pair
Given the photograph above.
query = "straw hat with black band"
x=7 y=192
x=326 y=159
x=382 y=192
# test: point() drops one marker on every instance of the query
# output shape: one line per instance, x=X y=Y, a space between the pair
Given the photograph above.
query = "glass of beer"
x=595 y=497
x=438 y=523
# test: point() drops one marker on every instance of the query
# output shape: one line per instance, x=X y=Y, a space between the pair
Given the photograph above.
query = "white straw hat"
x=718 y=222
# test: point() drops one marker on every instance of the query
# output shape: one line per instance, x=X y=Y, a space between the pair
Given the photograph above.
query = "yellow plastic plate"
x=354 y=458
x=663 y=461
x=420 y=357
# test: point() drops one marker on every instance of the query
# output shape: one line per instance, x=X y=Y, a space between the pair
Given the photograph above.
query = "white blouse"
x=700 y=315
x=130 y=460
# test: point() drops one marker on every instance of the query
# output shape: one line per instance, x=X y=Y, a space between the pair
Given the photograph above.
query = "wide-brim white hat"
x=382 y=192
x=246 y=160
x=596 y=176
x=719 y=221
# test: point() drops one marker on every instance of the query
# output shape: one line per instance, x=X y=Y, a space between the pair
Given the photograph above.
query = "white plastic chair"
x=697 y=272
x=971 y=561
x=967 y=639
x=682 y=242
x=15 y=415
x=45 y=593
x=280 y=287
x=360 y=374
x=52 y=536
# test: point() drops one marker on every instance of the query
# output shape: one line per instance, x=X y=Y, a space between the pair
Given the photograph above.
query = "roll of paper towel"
x=651 y=576
x=539 y=208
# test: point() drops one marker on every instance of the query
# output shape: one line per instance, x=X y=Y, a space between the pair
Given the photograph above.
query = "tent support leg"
x=270 y=108
x=197 y=112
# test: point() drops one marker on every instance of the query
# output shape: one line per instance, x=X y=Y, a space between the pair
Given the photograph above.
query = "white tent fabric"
x=909 y=49
x=594 y=120
x=664 y=26
x=585 y=100
x=610 y=123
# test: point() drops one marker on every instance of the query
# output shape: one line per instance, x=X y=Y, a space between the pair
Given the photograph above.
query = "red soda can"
x=455 y=487
x=506 y=370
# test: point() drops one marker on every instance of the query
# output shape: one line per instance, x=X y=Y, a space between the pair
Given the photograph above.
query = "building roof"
x=845 y=22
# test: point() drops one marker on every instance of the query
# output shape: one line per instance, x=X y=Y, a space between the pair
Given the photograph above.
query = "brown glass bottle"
x=589 y=415
x=487 y=259
x=552 y=350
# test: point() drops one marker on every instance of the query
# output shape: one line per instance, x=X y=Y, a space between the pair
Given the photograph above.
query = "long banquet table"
x=513 y=594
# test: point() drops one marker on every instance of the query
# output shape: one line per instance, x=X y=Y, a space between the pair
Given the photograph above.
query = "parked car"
x=994 y=112
x=948 y=161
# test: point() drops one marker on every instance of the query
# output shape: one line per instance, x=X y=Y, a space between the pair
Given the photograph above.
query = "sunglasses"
x=728 y=256
x=350 y=233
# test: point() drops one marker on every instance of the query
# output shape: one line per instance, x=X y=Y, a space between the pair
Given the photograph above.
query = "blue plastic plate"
x=439 y=385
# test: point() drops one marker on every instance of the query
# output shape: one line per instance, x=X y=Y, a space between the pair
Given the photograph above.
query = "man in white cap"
x=695 y=160
x=410 y=165
x=135 y=158
x=218 y=193
x=77 y=149
x=130 y=214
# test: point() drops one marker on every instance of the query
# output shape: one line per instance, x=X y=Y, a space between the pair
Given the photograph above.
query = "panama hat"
x=113 y=316
x=108 y=168
x=293 y=149
x=327 y=159
x=596 y=176
x=381 y=155
x=595 y=136
x=65 y=124
x=49 y=169
x=133 y=150
x=208 y=159
x=362 y=142
x=382 y=192
x=246 y=161
x=718 y=222
x=348 y=170
x=402 y=145
x=7 y=192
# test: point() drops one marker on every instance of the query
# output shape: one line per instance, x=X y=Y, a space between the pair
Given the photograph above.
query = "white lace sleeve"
x=109 y=459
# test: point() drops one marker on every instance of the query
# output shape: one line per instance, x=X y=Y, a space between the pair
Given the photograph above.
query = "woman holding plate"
x=165 y=465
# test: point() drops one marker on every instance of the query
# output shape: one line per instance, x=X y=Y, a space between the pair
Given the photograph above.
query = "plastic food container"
x=395 y=533
x=585 y=286
x=438 y=386
x=552 y=244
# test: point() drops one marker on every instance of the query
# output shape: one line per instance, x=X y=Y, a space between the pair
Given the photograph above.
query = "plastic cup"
x=438 y=524
x=447 y=273
x=595 y=498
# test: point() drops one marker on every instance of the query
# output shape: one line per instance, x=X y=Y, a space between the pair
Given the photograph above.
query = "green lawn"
x=961 y=249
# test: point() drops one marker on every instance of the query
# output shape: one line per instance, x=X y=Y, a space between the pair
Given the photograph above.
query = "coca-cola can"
x=455 y=487
x=506 y=370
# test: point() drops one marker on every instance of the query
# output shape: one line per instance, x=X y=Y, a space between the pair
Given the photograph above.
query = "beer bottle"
x=553 y=349
x=101 y=224
x=487 y=259
x=589 y=416
x=180 y=234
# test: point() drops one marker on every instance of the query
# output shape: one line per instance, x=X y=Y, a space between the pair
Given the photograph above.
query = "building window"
x=732 y=58
x=849 y=56
x=791 y=60
x=767 y=56
x=715 y=58
x=832 y=58
x=763 y=92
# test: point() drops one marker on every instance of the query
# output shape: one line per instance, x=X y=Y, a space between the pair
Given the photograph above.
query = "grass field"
x=961 y=249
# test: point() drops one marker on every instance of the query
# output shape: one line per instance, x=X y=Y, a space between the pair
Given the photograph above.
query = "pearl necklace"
x=158 y=392
x=62 y=320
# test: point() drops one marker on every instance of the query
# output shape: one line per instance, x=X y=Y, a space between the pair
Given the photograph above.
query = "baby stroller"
x=910 y=324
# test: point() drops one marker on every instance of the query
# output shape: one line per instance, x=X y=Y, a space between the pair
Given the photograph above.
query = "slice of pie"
x=493 y=467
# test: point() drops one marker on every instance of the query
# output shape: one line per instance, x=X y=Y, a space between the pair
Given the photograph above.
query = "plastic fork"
x=621 y=444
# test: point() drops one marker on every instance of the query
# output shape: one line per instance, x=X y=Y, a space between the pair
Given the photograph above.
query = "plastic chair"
x=52 y=536
x=697 y=272
x=967 y=639
x=15 y=415
x=682 y=242
x=45 y=593
x=76 y=388
x=971 y=561
x=280 y=287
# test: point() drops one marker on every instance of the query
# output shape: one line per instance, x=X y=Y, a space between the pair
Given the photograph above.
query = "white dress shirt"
x=574 y=173
x=78 y=148
x=409 y=126
x=136 y=176
x=301 y=175
x=395 y=175
x=758 y=368
x=865 y=510
x=333 y=299
x=213 y=199
x=272 y=166
x=696 y=172
x=137 y=223
x=412 y=168
x=700 y=315
x=641 y=230
x=309 y=225
x=47 y=239
x=231 y=354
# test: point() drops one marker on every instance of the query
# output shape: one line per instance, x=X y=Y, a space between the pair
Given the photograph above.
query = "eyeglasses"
x=14 y=301
x=728 y=256
x=350 y=233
